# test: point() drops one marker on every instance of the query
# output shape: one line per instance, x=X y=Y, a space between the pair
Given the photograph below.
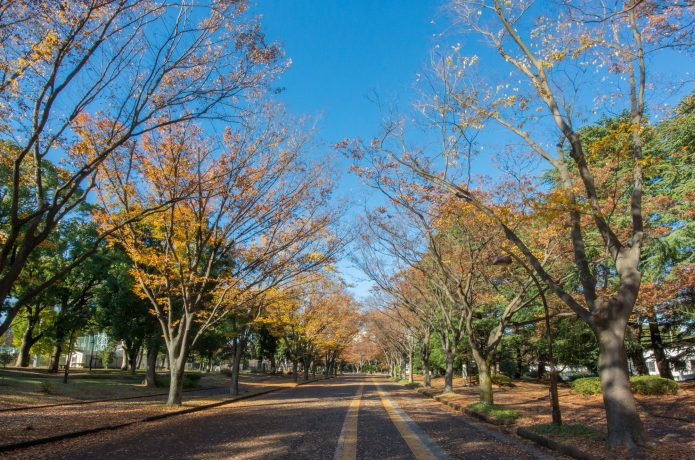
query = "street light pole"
x=507 y=259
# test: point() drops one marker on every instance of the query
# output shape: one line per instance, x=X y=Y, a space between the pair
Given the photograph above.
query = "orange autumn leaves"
x=229 y=219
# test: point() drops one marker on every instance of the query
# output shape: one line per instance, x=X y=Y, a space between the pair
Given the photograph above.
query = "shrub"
x=6 y=358
x=587 y=386
x=653 y=385
x=46 y=387
x=502 y=380
x=189 y=381
x=641 y=384
x=496 y=412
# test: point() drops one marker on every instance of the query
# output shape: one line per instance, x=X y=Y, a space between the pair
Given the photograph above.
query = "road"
x=345 y=418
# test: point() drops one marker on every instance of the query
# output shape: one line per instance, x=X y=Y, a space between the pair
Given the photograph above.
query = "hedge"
x=641 y=384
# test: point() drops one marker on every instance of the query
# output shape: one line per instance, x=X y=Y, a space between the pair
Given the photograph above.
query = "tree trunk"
x=124 y=356
x=55 y=361
x=236 y=364
x=484 y=377
x=425 y=358
x=519 y=363
x=658 y=346
x=133 y=358
x=305 y=364
x=295 y=366
x=25 y=348
x=636 y=352
x=410 y=366
x=177 y=366
x=151 y=372
x=624 y=424
x=449 y=373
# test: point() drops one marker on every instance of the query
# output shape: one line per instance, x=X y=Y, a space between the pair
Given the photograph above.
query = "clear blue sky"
x=343 y=52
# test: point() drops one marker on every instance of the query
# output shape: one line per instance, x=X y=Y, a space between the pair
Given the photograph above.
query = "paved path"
x=346 y=418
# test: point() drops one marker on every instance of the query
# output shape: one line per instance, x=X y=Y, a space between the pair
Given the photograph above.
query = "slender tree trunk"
x=624 y=424
x=519 y=363
x=449 y=373
x=425 y=358
x=410 y=365
x=658 y=346
x=71 y=345
x=236 y=365
x=151 y=372
x=636 y=353
x=133 y=358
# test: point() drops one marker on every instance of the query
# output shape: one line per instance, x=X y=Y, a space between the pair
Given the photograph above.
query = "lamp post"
x=508 y=259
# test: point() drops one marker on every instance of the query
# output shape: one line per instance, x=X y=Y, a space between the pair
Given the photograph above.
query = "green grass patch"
x=496 y=412
x=641 y=384
x=569 y=430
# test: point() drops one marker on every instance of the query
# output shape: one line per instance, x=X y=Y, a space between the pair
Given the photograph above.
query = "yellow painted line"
x=415 y=442
x=347 y=443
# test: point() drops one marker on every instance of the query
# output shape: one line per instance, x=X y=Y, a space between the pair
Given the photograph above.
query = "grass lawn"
x=30 y=388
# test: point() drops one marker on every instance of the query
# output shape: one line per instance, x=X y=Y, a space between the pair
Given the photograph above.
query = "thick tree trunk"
x=305 y=364
x=177 y=367
x=484 y=377
x=658 y=346
x=295 y=368
x=55 y=361
x=449 y=373
x=151 y=371
x=624 y=424
x=124 y=356
x=25 y=348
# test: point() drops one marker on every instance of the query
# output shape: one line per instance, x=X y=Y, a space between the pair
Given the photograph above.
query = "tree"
x=546 y=66
x=81 y=80
x=234 y=223
x=124 y=315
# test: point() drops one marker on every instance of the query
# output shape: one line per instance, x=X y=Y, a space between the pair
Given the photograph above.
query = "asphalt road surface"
x=345 y=418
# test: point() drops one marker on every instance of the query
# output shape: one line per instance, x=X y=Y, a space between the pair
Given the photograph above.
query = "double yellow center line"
x=422 y=447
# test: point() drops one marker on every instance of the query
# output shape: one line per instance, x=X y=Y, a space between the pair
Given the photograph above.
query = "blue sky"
x=344 y=52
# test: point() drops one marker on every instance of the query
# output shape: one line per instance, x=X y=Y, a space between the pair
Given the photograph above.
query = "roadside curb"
x=500 y=435
x=564 y=449
x=151 y=418
x=525 y=433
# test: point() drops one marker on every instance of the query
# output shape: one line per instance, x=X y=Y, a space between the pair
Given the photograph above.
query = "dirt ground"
x=669 y=420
